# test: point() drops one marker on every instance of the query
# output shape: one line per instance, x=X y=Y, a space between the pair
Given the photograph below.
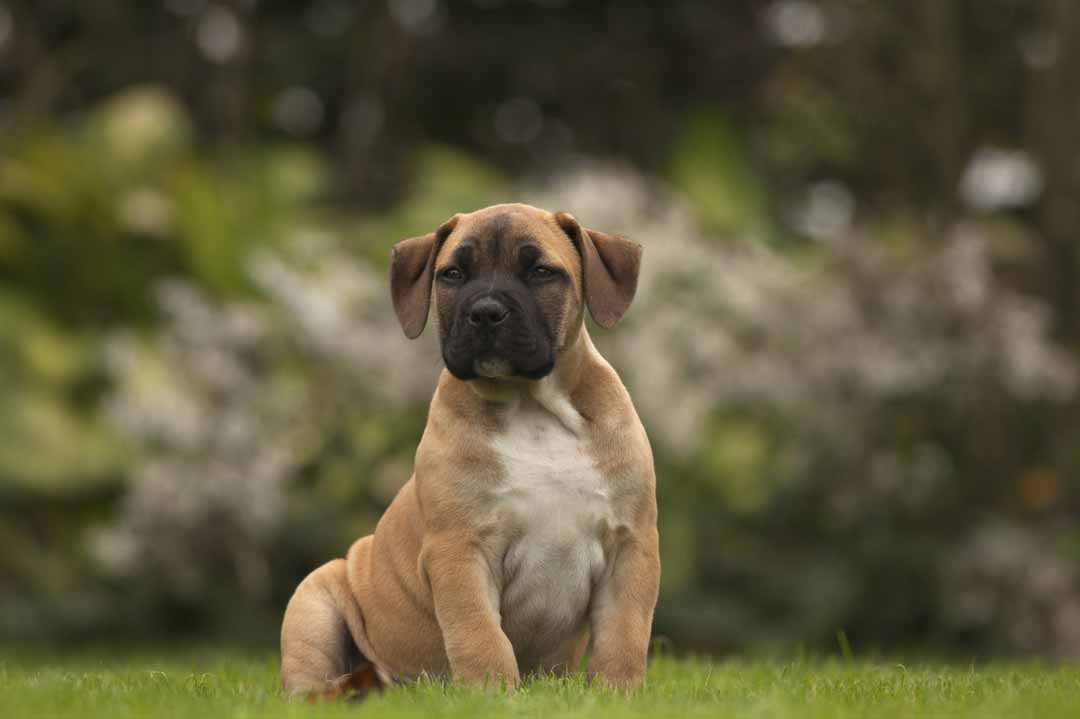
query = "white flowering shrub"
x=231 y=405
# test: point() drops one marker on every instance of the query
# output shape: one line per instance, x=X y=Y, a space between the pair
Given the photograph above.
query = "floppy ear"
x=412 y=263
x=610 y=266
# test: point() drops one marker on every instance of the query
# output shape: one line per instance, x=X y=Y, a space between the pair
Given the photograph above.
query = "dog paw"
x=354 y=686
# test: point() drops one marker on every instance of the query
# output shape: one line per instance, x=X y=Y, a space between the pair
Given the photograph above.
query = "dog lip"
x=463 y=373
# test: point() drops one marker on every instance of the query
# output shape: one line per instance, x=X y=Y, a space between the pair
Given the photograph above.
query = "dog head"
x=511 y=284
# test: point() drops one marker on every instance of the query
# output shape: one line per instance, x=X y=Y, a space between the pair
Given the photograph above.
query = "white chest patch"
x=554 y=515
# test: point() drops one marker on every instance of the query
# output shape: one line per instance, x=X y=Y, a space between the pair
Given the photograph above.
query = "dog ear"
x=610 y=266
x=412 y=264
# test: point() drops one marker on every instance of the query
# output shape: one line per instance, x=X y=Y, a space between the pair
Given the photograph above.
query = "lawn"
x=192 y=685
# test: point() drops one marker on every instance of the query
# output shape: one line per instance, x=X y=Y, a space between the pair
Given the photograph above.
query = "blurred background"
x=855 y=347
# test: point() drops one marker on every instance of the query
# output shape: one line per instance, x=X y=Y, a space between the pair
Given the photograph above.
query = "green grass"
x=192 y=685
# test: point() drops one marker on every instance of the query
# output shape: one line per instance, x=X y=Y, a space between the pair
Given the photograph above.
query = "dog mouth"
x=489 y=365
x=489 y=362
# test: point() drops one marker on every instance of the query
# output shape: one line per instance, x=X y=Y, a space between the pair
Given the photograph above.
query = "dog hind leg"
x=318 y=654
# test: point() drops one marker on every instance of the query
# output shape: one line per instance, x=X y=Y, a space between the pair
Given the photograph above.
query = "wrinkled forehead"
x=508 y=239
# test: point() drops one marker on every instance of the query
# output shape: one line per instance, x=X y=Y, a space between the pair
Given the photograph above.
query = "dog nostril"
x=488 y=312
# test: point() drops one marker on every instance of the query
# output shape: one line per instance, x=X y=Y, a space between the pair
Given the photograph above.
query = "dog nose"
x=487 y=311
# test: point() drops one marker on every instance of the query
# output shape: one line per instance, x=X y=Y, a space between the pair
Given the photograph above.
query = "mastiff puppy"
x=529 y=524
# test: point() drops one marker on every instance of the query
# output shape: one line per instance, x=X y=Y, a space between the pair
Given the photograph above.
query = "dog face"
x=511 y=283
x=507 y=288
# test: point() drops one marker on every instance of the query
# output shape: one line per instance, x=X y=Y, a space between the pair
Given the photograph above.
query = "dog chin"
x=493 y=368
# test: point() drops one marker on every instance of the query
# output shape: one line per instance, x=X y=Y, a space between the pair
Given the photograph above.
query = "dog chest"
x=555 y=518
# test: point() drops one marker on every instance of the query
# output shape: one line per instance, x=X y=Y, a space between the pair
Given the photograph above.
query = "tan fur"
x=433 y=590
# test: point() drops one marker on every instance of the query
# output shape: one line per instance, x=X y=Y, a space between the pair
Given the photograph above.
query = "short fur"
x=529 y=523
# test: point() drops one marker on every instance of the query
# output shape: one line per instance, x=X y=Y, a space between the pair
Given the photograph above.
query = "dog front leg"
x=467 y=609
x=622 y=611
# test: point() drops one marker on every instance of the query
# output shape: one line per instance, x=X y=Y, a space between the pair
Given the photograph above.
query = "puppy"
x=529 y=524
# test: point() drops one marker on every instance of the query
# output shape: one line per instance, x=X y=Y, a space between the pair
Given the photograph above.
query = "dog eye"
x=541 y=272
x=452 y=274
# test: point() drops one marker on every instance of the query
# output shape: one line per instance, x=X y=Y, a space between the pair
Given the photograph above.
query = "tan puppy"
x=529 y=524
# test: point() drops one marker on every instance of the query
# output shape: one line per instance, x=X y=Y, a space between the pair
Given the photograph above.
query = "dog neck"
x=554 y=393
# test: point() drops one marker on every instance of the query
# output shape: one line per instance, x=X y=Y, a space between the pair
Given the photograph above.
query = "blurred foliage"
x=128 y=183
x=48 y=431
x=854 y=345
x=709 y=163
